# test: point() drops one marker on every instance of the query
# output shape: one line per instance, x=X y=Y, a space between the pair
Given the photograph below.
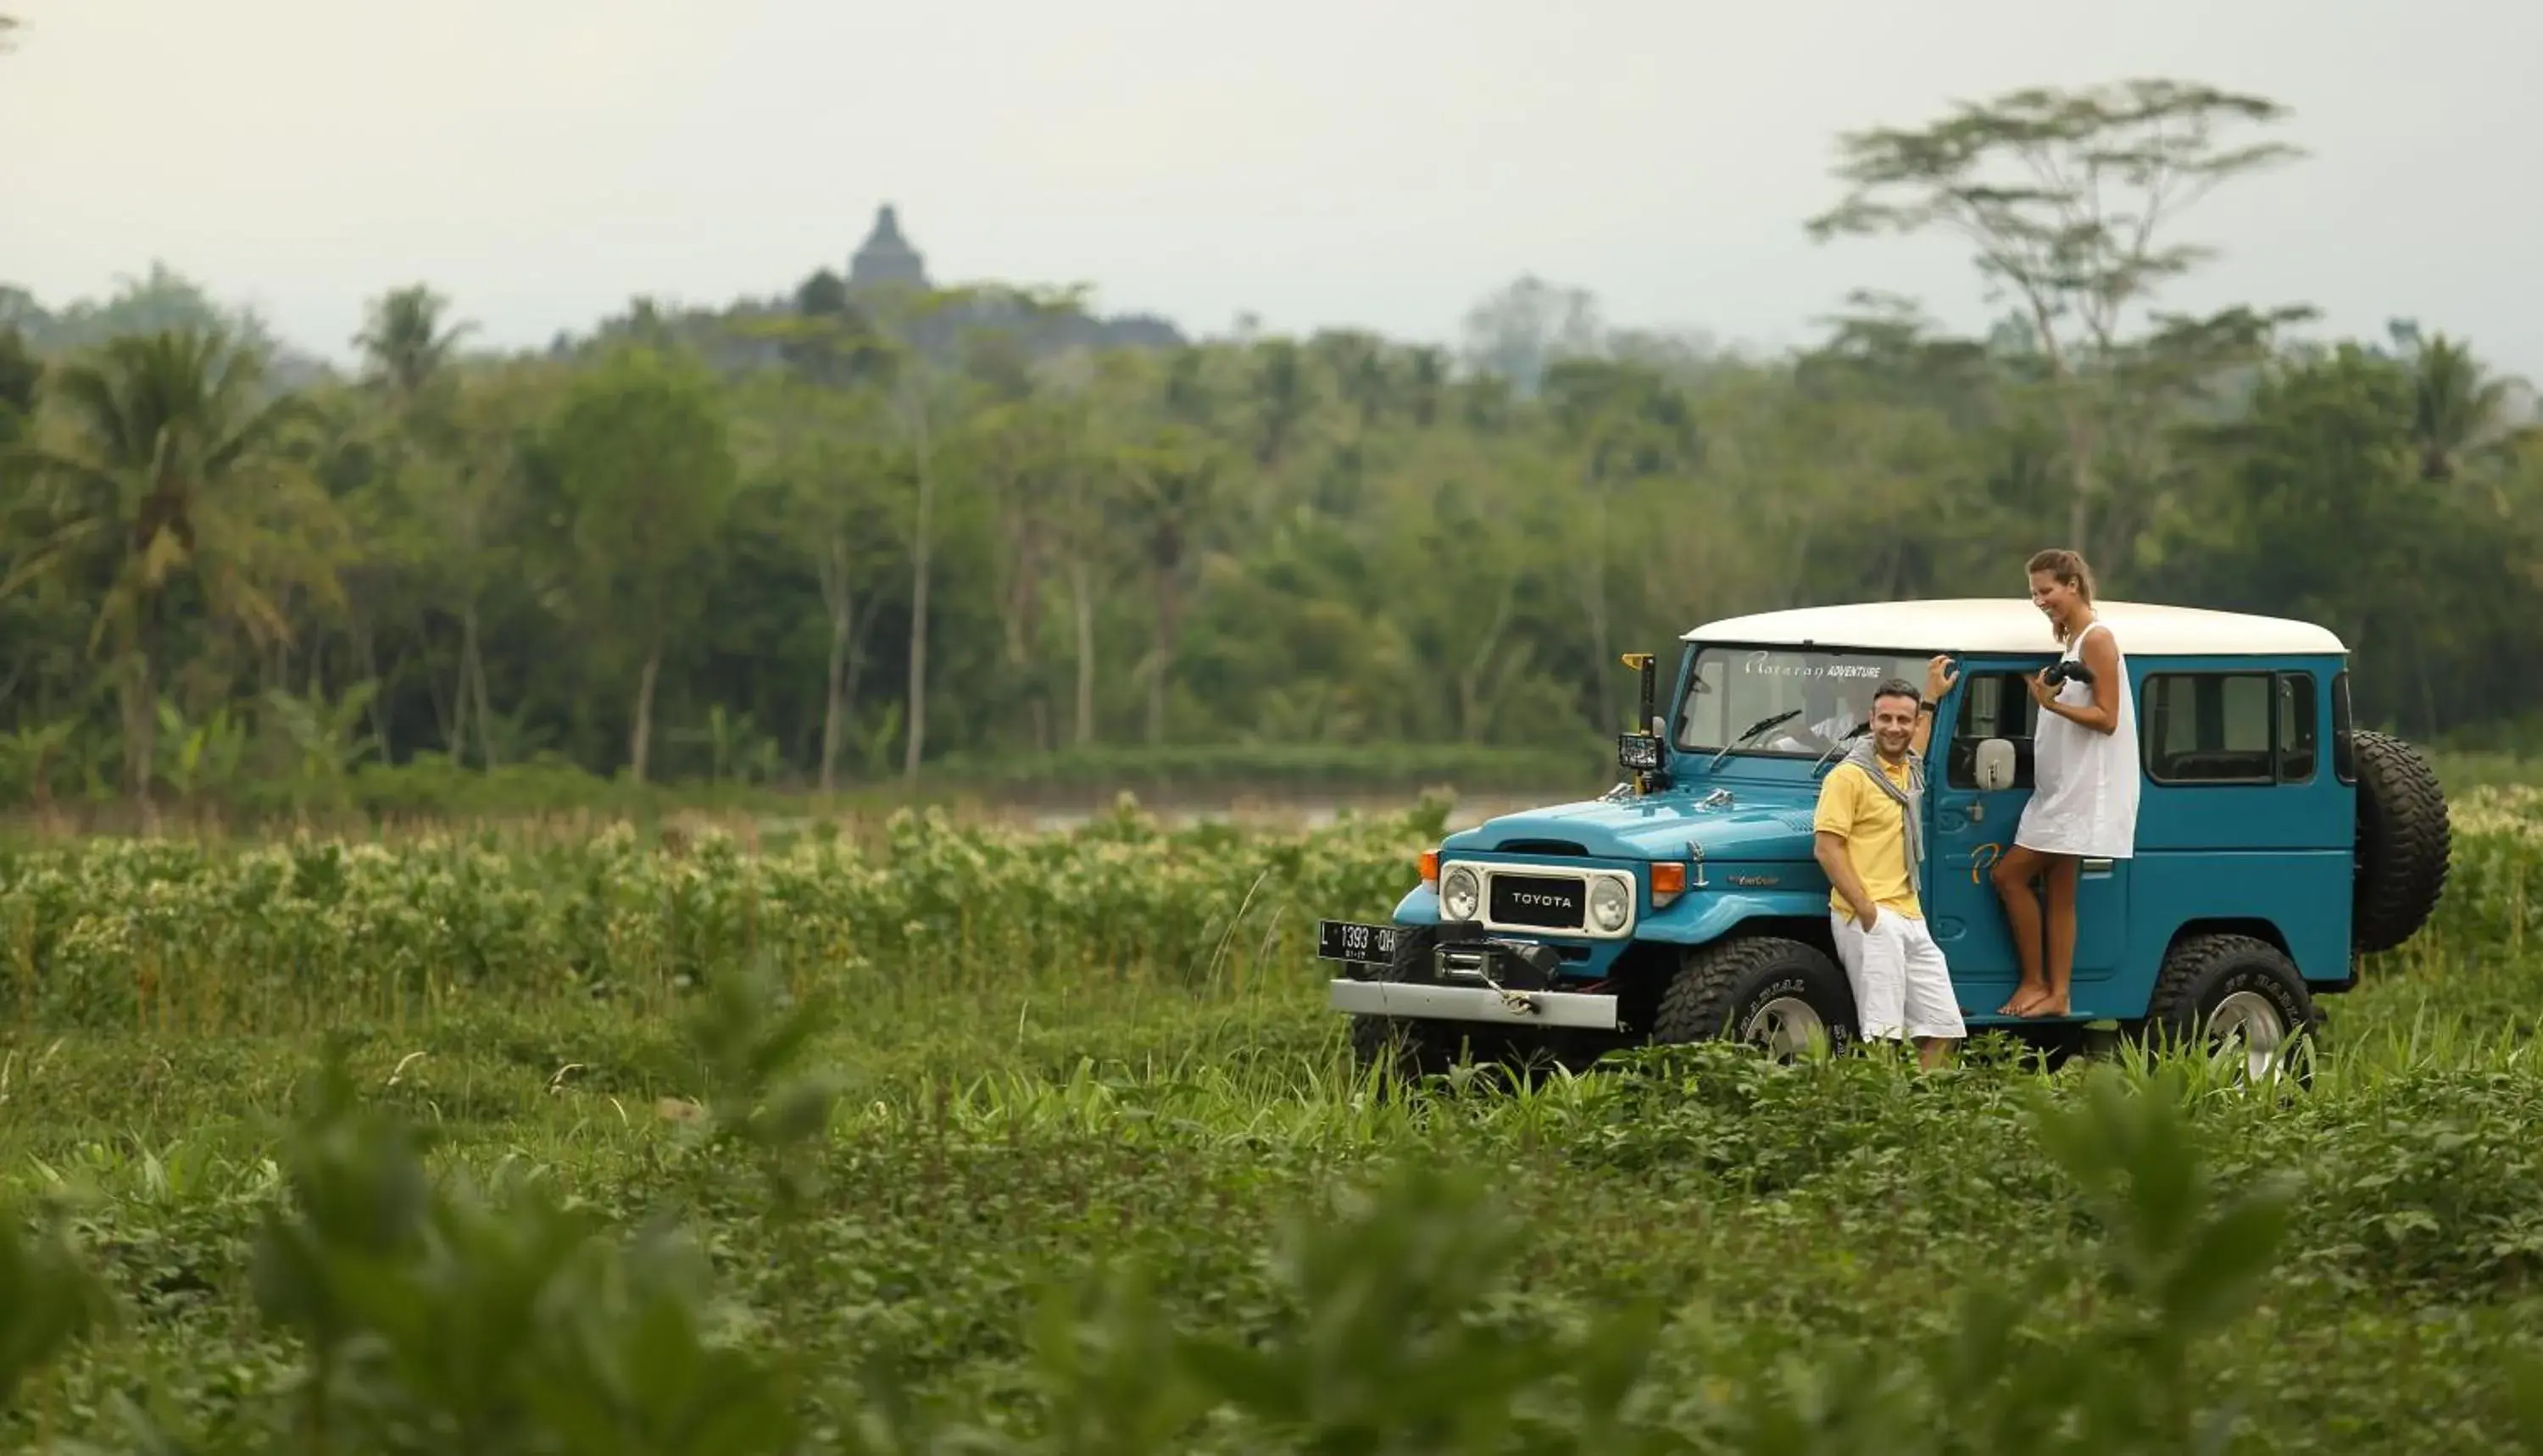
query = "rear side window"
x=2236 y=727
x=2208 y=728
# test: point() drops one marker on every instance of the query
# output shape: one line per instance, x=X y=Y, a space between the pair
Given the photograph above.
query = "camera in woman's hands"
x=2062 y=672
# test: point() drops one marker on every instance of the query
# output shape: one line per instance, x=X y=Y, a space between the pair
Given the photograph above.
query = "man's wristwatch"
x=1924 y=705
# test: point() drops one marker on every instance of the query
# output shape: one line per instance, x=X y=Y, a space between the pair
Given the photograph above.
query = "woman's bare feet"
x=2047 y=1004
x=2024 y=996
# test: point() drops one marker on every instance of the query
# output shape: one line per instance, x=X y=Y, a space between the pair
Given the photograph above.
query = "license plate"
x=1361 y=944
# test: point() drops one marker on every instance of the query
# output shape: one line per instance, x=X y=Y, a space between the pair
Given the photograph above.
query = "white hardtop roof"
x=2014 y=625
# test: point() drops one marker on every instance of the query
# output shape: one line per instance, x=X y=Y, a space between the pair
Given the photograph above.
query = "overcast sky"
x=1379 y=163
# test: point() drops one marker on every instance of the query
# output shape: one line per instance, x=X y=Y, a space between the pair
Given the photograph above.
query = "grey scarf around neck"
x=1911 y=800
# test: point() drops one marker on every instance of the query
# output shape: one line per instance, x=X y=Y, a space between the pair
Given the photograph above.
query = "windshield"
x=1818 y=695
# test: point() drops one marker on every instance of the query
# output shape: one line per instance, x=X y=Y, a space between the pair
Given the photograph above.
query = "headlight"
x=1607 y=905
x=1460 y=895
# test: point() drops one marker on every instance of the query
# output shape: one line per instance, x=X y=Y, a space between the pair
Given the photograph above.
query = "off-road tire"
x=2405 y=842
x=1718 y=988
x=1410 y=1048
x=2201 y=970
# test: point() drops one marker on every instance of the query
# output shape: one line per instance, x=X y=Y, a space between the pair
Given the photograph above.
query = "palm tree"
x=405 y=343
x=169 y=467
x=406 y=416
x=2462 y=410
x=22 y=378
x=1171 y=483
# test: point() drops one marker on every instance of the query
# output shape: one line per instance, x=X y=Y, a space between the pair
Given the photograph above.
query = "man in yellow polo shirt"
x=1868 y=832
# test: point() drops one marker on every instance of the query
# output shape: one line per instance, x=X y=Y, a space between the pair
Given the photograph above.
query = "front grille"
x=1551 y=901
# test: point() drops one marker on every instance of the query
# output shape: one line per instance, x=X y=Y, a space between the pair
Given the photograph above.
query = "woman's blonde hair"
x=2068 y=569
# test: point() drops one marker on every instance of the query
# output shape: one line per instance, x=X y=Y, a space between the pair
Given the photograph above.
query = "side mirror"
x=1995 y=764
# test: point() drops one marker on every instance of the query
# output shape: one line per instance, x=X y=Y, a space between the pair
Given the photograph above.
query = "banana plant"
x=736 y=748
x=195 y=758
x=329 y=735
x=27 y=756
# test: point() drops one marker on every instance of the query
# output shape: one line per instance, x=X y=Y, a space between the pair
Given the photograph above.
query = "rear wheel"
x=2239 y=1001
x=1776 y=993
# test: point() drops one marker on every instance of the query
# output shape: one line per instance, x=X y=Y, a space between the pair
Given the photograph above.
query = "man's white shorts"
x=1898 y=977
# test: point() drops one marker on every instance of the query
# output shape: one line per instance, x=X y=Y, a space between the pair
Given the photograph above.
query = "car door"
x=1970 y=828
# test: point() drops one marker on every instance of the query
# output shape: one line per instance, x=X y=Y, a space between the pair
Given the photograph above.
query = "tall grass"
x=962 y=1138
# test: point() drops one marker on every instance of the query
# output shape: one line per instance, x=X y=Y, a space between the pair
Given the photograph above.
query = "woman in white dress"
x=2084 y=796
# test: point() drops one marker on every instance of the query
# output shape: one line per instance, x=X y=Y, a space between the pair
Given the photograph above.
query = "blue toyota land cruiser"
x=2275 y=843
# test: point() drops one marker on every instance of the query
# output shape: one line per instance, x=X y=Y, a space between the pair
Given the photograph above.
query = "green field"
x=1064 y=1155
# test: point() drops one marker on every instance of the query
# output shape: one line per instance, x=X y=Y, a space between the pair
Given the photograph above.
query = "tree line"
x=842 y=535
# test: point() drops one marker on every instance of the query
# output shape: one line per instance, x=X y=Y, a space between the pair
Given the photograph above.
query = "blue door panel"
x=2304 y=894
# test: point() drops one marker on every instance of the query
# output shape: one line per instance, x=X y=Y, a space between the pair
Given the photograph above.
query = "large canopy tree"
x=642 y=449
x=2067 y=199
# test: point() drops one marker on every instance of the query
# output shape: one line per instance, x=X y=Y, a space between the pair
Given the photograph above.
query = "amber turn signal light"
x=1669 y=881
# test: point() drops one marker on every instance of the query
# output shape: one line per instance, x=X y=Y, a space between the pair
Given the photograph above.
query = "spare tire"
x=2405 y=842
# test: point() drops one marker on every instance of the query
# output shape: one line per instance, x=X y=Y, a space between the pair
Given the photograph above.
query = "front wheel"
x=1405 y=1051
x=1410 y=1048
x=1777 y=993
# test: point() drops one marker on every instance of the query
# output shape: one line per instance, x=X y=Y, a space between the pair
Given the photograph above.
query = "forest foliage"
x=850 y=533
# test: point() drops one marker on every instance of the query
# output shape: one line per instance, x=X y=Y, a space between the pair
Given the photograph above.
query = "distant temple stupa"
x=886 y=257
x=884 y=260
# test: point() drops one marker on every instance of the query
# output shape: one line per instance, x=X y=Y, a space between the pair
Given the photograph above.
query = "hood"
x=1759 y=824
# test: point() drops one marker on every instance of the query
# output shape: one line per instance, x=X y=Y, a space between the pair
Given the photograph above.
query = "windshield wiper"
x=1852 y=733
x=1754 y=730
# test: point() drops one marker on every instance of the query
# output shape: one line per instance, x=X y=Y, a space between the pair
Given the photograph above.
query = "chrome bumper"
x=1473 y=1004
